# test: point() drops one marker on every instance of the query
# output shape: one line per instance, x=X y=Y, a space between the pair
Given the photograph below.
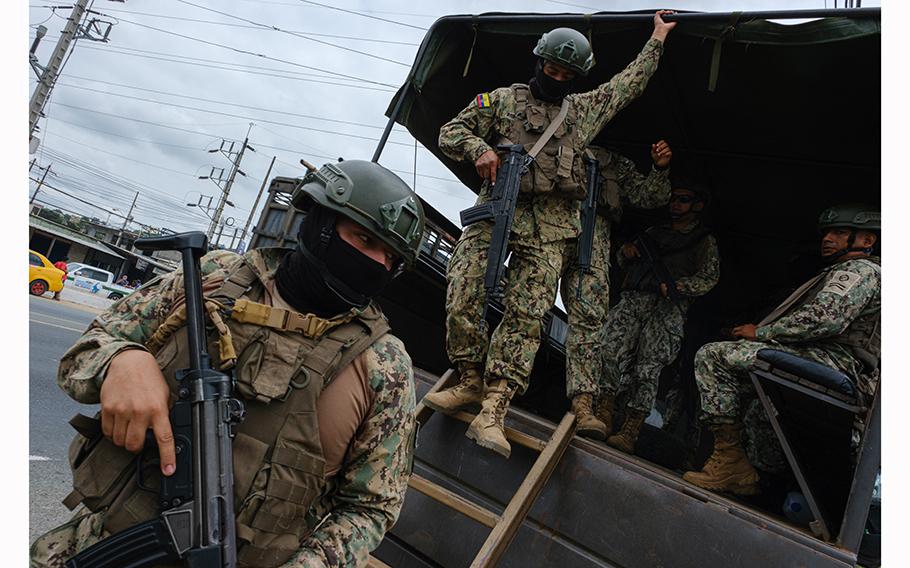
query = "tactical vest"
x=279 y=469
x=678 y=251
x=559 y=166
x=863 y=335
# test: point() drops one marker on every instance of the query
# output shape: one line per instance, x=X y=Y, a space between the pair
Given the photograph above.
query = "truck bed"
x=600 y=508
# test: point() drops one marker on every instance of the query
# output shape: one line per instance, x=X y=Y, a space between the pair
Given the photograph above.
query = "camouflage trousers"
x=727 y=395
x=642 y=336
x=530 y=291
x=587 y=314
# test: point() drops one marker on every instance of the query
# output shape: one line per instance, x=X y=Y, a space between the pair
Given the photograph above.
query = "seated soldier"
x=832 y=319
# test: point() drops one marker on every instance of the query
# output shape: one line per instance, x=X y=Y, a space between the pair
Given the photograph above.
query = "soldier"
x=546 y=216
x=832 y=319
x=621 y=182
x=644 y=330
x=323 y=457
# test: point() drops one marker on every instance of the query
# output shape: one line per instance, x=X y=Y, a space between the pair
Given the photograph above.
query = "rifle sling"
x=551 y=129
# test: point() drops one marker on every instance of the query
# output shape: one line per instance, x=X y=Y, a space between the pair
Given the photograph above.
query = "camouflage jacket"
x=632 y=187
x=845 y=297
x=364 y=499
x=547 y=217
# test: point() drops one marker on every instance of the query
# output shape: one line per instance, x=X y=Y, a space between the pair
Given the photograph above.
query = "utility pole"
x=40 y=183
x=256 y=203
x=226 y=191
x=126 y=219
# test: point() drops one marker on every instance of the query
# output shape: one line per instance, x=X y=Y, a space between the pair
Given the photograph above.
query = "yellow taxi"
x=42 y=275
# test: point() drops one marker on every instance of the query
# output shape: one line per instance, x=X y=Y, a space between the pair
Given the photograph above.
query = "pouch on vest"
x=270 y=520
x=100 y=469
x=267 y=365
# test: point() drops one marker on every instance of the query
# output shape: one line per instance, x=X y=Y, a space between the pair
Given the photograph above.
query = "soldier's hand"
x=134 y=398
x=629 y=250
x=661 y=154
x=663 y=289
x=487 y=164
x=662 y=28
x=746 y=331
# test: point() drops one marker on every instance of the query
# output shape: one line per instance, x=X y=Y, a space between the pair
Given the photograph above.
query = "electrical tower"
x=95 y=30
x=228 y=150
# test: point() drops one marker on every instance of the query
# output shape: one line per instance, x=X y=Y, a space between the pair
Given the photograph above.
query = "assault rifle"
x=501 y=209
x=588 y=220
x=196 y=522
x=651 y=255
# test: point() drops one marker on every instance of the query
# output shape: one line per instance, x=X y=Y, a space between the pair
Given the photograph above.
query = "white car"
x=95 y=280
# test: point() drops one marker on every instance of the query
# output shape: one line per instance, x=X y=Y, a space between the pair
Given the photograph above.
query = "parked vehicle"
x=43 y=276
x=96 y=280
x=790 y=149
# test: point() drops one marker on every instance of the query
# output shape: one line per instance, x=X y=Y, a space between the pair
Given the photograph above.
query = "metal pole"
x=415 y=166
x=394 y=115
x=258 y=197
x=125 y=220
x=227 y=187
x=40 y=183
x=49 y=76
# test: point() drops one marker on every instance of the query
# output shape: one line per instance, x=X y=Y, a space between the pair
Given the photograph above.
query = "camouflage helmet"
x=371 y=196
x=851 y=215
x=566 y=47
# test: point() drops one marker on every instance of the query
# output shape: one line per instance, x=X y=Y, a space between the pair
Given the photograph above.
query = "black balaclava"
x=325 y=275
x=548 y=89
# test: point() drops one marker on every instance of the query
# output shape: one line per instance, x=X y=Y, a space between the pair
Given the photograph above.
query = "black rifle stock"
x=588 y=220
x=651 y=255
x=196 y=523
x=501 y=210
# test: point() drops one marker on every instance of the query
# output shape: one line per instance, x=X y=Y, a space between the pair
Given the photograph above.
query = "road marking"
x=80 y=330
x=39 y=458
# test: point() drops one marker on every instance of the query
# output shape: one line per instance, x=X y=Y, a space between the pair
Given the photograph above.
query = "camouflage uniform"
x=586 y=316
x=361 y=501
x=811 y=329
x=542 y=224
x=644 y=330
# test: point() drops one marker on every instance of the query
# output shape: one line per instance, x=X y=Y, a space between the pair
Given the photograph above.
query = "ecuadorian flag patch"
x=483 y=100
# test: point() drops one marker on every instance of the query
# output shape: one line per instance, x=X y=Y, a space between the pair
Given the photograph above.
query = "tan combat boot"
x=605 y=412
x=589 y=425
x=468 y=391
x=628 y=434
x=487 y=428
x=728 y=469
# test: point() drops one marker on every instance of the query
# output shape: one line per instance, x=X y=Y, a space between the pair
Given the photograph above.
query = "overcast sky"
x=141 y=112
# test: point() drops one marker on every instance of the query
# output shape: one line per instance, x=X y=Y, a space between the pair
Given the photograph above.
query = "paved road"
x=53 y=327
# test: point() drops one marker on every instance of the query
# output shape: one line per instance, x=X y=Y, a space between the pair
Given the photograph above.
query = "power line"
x=83 y=144
x=295 y=34
x=246 y=52
x=190 y=97
x=255 y=119
x=246 y=69
x=255 y=27
x=109 y=133
x=365 y=15
x=366 y=11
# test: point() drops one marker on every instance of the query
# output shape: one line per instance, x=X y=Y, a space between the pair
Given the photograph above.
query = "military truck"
x=778 y=113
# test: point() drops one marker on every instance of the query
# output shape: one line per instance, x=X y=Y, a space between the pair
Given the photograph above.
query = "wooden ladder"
x=505 y=526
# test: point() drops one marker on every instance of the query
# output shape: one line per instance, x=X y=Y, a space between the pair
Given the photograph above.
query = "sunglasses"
x=683 y=198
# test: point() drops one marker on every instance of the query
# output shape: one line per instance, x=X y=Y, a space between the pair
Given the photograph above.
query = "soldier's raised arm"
x=599 y=106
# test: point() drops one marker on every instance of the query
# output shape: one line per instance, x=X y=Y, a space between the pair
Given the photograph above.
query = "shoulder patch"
x=483 y=100
x=841 y=282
